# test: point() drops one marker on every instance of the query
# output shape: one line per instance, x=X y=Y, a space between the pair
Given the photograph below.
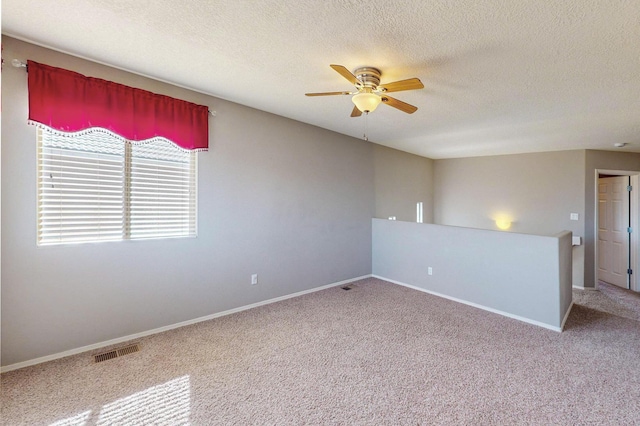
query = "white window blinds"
x=162 y=191
x=94 y=187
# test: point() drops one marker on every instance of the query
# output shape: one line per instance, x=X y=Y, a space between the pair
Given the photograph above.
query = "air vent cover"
x=116 y=353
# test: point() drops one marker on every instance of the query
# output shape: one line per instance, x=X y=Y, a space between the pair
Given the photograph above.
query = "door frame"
x=634 y=222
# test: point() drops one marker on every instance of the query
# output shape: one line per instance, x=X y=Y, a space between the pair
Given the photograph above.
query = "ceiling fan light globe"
x=366 y=102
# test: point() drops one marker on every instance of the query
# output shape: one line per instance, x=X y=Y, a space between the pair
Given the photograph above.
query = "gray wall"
x=538 y=191
x=517 y=274
x=603 y=160
x=401 y=181
x=283 y=199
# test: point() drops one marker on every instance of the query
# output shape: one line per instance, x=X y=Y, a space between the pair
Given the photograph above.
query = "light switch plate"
x=574 y=216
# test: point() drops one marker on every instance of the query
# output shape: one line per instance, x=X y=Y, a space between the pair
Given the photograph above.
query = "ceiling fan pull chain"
x=366 y=121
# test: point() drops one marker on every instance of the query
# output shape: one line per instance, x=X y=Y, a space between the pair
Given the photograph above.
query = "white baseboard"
x=475 y=305
x=577 y=287
x=170 y=327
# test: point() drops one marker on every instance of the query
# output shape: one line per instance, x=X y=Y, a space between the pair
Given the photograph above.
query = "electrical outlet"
x=430 y=270
x=254 y=279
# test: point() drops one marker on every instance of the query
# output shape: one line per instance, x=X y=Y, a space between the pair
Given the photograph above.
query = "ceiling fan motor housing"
x=369 y=76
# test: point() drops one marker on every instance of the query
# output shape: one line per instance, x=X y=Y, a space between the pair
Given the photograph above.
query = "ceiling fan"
x=370 y=93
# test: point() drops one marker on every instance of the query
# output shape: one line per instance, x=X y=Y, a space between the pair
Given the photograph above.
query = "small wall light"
x=503 y=220
x=503 y=223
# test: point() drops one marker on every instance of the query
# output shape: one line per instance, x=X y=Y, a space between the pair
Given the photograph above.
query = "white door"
x=613 y=223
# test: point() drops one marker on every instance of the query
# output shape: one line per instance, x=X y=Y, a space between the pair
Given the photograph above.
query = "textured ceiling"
x=500 y=76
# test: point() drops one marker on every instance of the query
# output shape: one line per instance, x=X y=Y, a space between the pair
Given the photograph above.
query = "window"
x=93 y=186
x=114 y=162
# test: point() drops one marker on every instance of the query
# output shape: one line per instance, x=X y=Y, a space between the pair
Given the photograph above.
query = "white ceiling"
x=500 y=76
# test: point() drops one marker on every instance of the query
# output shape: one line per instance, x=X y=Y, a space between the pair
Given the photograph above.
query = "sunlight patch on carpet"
x=77 y=420
x=165 y=404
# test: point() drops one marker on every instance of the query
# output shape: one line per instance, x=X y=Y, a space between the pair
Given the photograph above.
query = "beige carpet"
x=611 y=299
x=379 y=354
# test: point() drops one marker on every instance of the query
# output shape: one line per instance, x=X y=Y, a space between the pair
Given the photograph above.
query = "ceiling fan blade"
x=397 y=86
x=402 y=106
x=356 y=112
x=346 y=74
x=328 y=93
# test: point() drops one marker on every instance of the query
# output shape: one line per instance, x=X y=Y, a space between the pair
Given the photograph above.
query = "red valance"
x=71 y=102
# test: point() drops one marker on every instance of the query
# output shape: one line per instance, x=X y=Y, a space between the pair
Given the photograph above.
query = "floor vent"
x=116 y=353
